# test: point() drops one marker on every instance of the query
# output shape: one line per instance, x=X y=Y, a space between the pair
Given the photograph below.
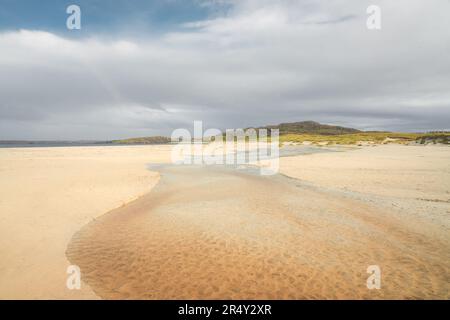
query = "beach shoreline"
x=187 y=240
x=319 y=173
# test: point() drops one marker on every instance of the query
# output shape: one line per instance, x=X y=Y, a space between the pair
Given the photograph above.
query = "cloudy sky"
x=141 y=68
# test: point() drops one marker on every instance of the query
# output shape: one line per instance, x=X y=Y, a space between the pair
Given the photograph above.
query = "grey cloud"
x=334 y=21
x=257 y=64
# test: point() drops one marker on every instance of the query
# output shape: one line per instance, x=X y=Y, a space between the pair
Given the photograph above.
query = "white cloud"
x=260 y=62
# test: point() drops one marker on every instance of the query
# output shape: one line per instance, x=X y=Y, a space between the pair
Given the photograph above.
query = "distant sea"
x=37 y=144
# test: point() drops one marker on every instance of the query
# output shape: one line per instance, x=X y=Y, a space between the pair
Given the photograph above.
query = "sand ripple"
x=208 y=233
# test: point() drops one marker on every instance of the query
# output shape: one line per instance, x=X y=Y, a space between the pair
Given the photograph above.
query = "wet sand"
x=212 y=233
x=224 y=233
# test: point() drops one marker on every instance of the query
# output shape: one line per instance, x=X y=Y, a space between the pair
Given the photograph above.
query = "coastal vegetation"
x=311 y=132
x=369 y=138
x=305 y=132
x=144 y=140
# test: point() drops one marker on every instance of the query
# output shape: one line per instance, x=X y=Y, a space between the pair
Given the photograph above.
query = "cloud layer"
x=256 y=63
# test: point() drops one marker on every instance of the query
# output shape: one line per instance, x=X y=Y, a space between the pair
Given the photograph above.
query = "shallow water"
x=209 y=232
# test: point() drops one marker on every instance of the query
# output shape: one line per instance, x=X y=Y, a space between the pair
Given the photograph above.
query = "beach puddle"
x=222 y=233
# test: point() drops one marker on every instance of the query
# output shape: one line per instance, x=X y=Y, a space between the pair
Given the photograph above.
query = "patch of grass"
x=144 y=140
x=434 y=137
x=375 y=137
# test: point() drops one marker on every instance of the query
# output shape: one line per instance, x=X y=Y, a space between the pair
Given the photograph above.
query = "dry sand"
x=387 y=170
x=222 y=233
x=411 y=182
x=47 y=194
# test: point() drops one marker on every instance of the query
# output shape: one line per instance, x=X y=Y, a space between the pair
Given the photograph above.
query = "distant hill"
x=310 y=127
x=143 y=140
x=50 y=143
x=296 y=132
x=303 y=127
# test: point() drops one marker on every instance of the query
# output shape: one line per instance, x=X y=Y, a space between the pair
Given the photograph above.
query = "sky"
x=141 y=68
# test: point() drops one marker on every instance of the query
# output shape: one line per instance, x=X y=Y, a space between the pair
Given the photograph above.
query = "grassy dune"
x=144 y=140
x=367 y=137
x=323 y=134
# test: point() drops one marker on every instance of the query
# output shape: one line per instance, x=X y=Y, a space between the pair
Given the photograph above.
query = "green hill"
x=310 y=127
x=317 y=133
x=143 y=140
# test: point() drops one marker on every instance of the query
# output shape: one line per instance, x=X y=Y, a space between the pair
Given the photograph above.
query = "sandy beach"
x=50 y=193
x=192 y=232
